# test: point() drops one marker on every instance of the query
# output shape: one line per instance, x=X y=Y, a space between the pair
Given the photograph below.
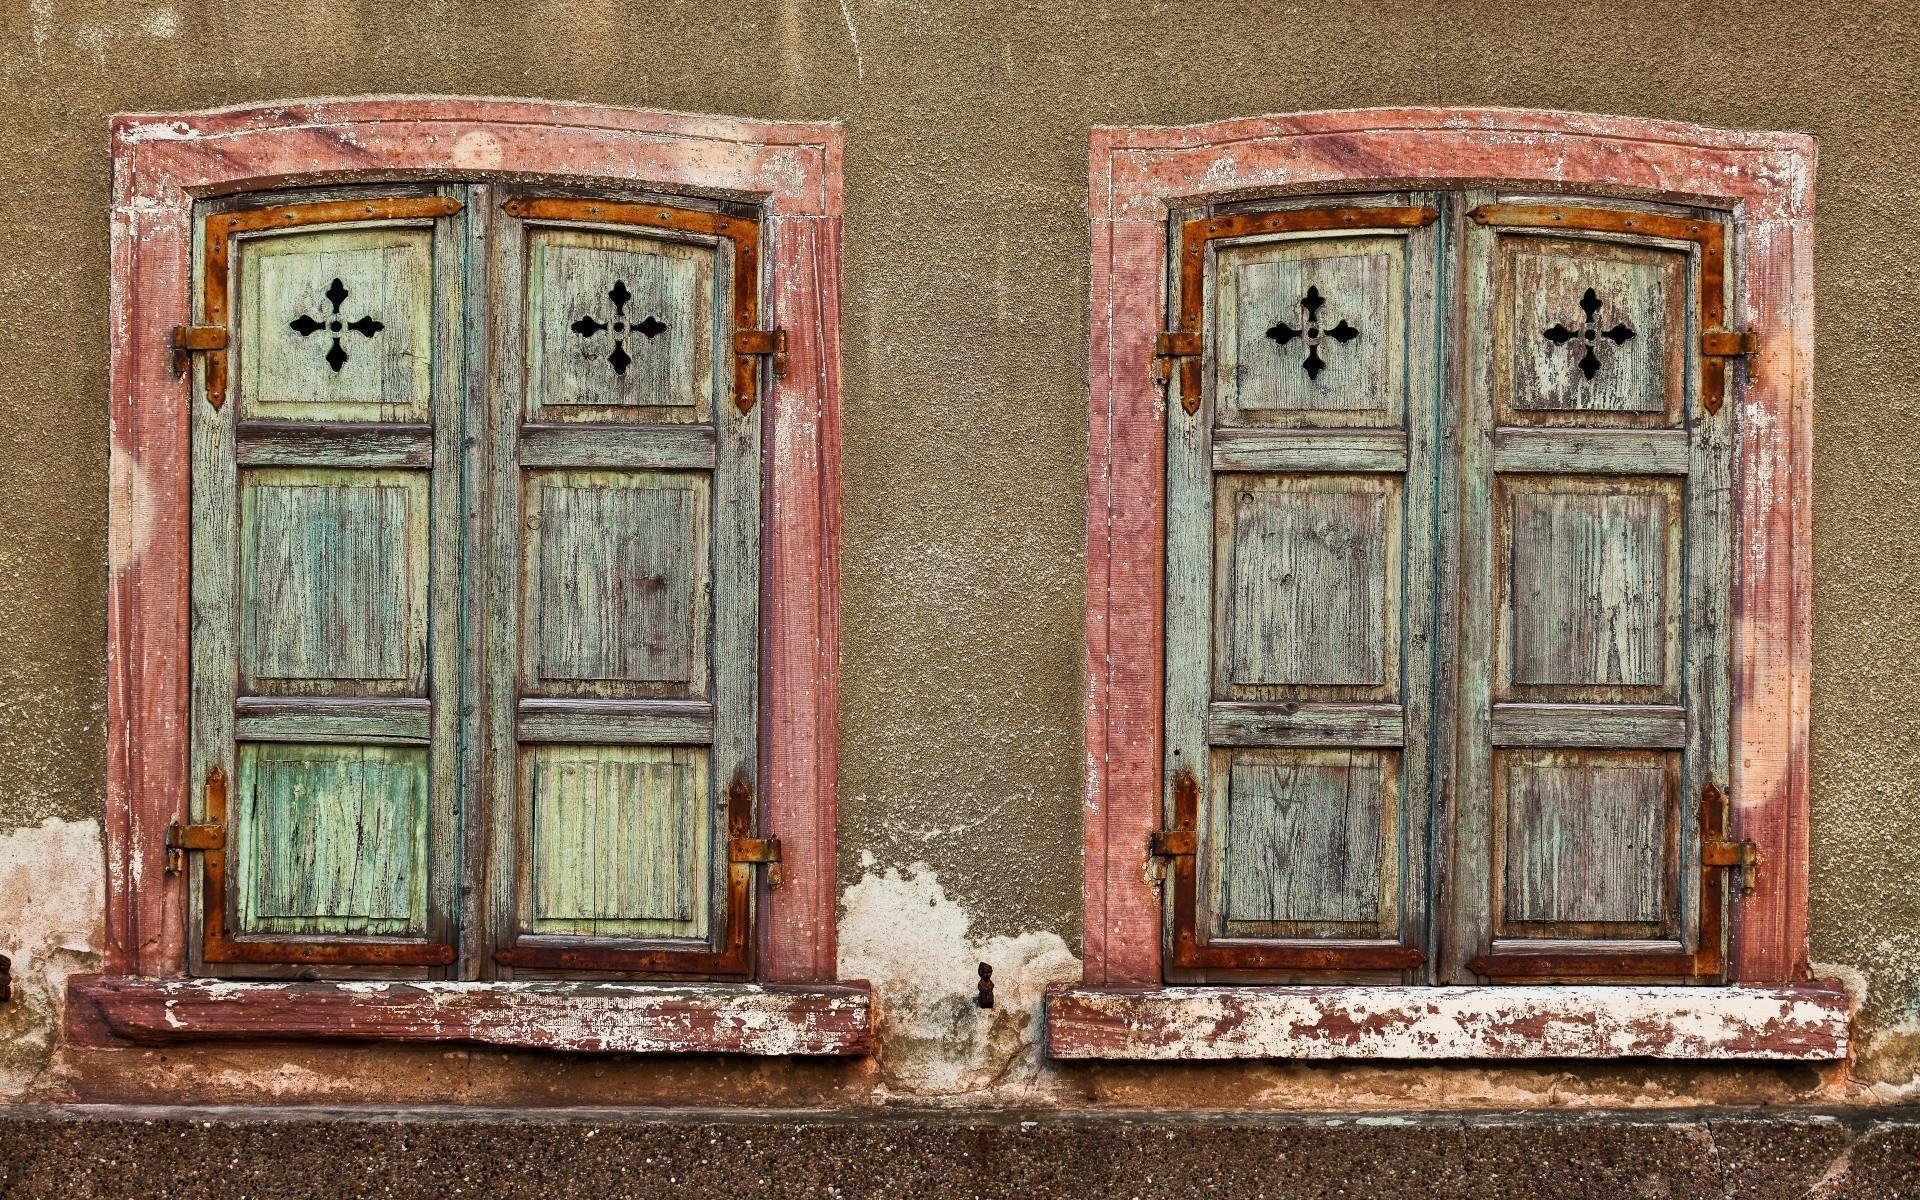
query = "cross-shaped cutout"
x=649 y=328
x=306 y=326
x=1587 y=336
x=1313 y=331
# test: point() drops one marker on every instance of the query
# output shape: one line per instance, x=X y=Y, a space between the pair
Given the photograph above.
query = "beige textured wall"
x=965 y=419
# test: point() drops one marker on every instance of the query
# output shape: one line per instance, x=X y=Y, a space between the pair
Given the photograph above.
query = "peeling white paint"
x=915 y=945
x=129 y=510
x=52 y=924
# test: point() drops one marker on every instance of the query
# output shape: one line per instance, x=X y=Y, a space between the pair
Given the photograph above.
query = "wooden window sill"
x=628 y=1018
x=1799 y=1022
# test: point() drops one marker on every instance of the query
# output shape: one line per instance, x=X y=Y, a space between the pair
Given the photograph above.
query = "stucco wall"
x=964 y=472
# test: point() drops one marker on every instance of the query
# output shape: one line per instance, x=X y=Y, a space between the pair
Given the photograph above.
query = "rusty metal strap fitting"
x=1175 y=843
x=1724 y=343
x=182 y=838
x=758 y=850
x=189 y=340
x=1171 y=347
x=1743 y=856
x=766 y=343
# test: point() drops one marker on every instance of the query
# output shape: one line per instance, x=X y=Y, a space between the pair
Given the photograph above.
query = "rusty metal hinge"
x=1179 y=842
x=766 y=342
x=189 y=340
x=1726 y=343
x=758 y=850
x=182 y=838
x=1180 y=346
x=1743 y=856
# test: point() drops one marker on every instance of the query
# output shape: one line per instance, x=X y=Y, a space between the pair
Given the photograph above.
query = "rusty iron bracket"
x=758 y=850
x=1743 y=856
x=1169 y=348
x=184 y=837
x=763 y=343
x=1181 y=841
x=1726 y=343
x=189 y=340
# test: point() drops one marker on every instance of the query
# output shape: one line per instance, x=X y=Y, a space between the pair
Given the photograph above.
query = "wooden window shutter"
x=325 y=581
x=625 y=587
x=1301 y=457
x=1595 y=559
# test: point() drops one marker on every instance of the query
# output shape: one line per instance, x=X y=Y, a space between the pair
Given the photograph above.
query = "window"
x=492 y=590
x=1413 y=630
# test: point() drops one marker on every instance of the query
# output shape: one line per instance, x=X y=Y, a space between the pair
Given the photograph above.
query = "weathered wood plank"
x=612 y=722
x=1337 y=359
x=637 y=447
x=751 y=1019
x=312 y=444
x=1306 y=724
x=1591 y=451
x=1805 y=1022
x=621 y=841
x=1290 y=450
x=320 y=719
x=336 y=325
x=1304 y=836
x=1624 y=726
x=331 y=839
x=1629 y=360
x=1586 y=841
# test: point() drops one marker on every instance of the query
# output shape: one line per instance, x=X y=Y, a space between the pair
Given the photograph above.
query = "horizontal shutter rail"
x=1591 y=451
x=302 y=719
x=1590 y=726
x=1307 y=450
x=593 y=722
x=635 y=448
x=322 y=444
x=1243 y=723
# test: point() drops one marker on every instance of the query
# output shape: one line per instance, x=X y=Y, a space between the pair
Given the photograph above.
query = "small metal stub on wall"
x=985 y=998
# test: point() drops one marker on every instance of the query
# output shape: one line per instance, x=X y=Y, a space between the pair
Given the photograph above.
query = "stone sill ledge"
x=628 y=1018
x=1806 y=1021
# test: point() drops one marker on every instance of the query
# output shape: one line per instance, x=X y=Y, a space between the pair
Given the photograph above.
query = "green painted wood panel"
x=1300 y=588
x=333 y=570
x=1620 y=350
x=1592 y=576
x=619 y=582
x=326 y=583
x=1309 y=841
x=1594 y=560
x=619 y=321
x=1309 y=586
x=1585 y=841
x=336 y=324
x=621 y=840
x=331 y=839
x=1311 y=331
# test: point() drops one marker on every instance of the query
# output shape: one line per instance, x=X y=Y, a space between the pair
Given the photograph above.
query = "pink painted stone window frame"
x=1138 y=175
x=162 y=164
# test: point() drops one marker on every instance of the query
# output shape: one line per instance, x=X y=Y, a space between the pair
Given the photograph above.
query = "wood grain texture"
x=621 y=841
x=330 y=839
x=1358 y=372
x=1806 y=1022
x=619 y=325
x=1307 y=835
x=1283 y=450
x=1769 y=176
x=746 y=1019
x=794 y=166
x=1586 y=842
x=361 y=352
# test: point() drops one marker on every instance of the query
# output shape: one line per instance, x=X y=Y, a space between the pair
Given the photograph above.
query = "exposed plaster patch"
x=52 y=884
x=915 y=945
x=477 y=150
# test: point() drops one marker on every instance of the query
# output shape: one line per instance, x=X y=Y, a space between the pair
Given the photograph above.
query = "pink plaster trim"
x=1136 y=174
x=162 y=163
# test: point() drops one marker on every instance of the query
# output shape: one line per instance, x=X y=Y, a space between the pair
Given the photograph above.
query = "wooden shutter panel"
x=1595 y=567
x=1299 y=590
x=326 y=516
x=626 y=581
